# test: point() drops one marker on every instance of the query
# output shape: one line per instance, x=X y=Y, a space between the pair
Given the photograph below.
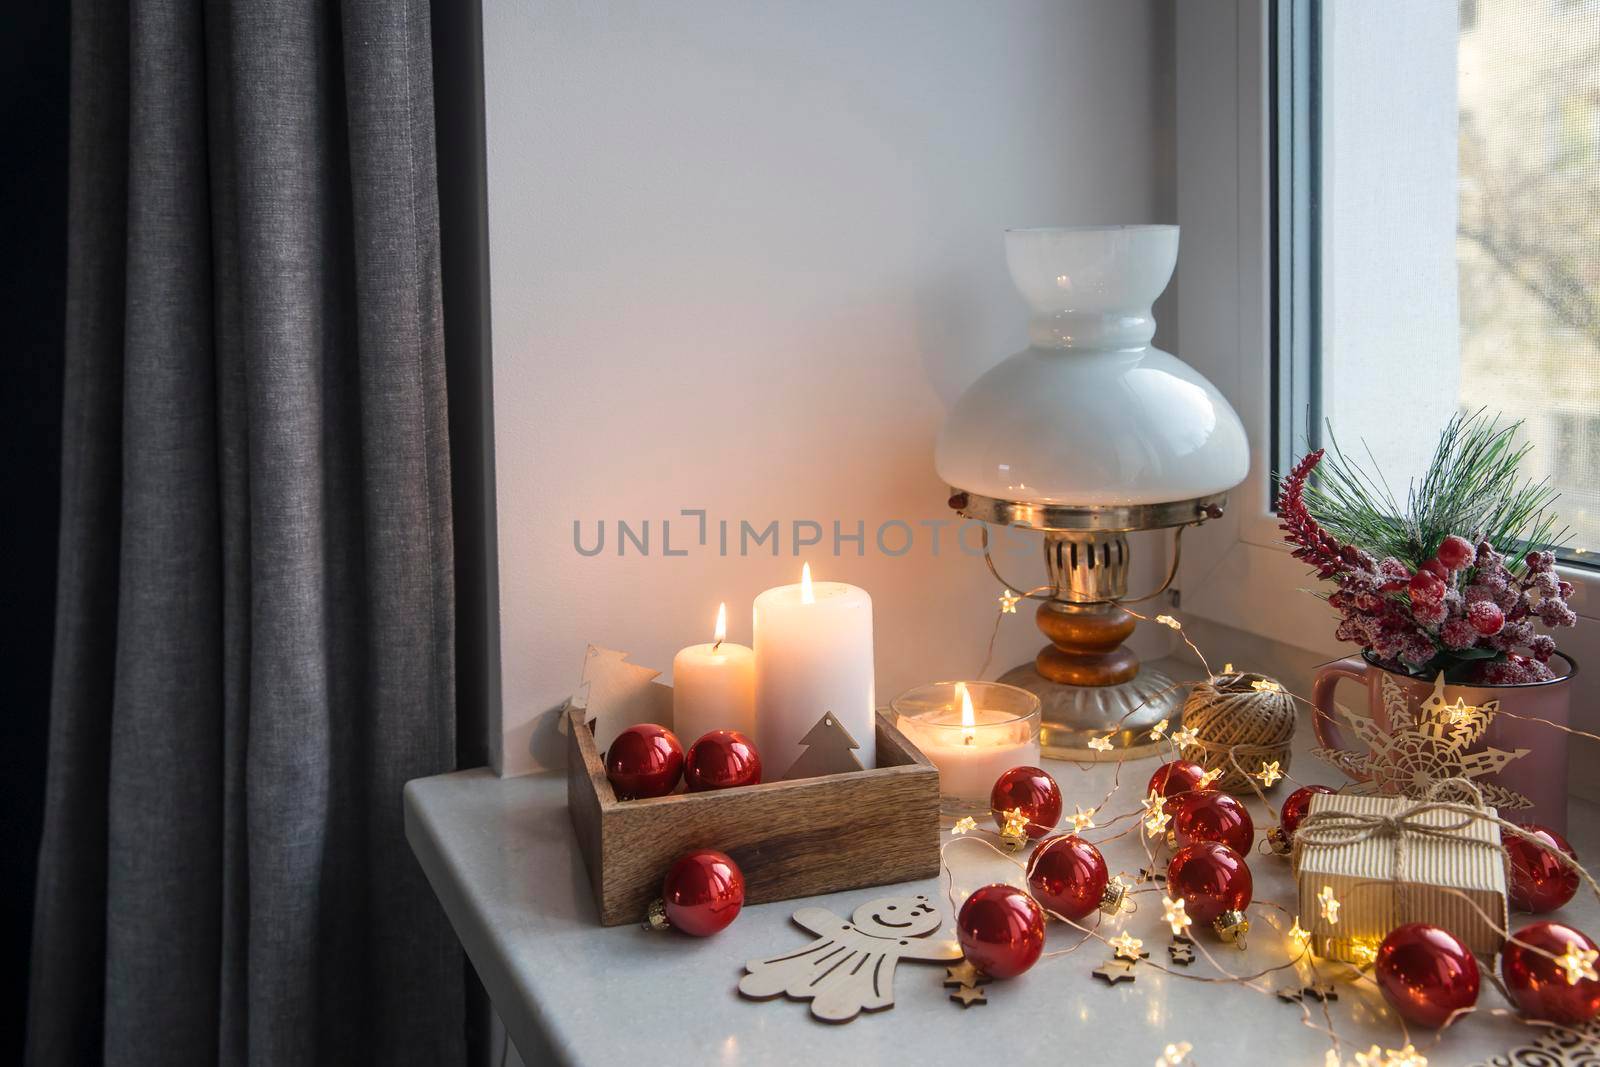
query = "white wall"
x=743 y=258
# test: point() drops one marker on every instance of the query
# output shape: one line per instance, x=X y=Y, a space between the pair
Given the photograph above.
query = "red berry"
x=1456 y=552
x=1425 y=585
x=1486 y=617
x=1436 y=568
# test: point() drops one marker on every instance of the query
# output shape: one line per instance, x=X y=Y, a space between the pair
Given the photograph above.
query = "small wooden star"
x=1153 y=874
x=964 y=973
x=969 y=995
x=1316 y=991
x=1113 y=971
x=1182 y=951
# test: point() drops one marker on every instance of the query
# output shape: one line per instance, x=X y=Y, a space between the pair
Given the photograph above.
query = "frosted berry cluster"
x=1462 y=611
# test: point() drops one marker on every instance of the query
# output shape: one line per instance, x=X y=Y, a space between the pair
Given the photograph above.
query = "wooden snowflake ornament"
x=1425 y=746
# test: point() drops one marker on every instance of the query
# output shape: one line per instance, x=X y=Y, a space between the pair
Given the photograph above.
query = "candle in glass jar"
x=813 y=648
x=713 y=686
x=972 y=745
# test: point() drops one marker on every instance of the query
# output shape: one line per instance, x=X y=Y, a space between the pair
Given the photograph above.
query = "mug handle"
x=1324 y=718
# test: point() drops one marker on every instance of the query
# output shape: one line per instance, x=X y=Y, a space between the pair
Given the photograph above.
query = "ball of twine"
x=1228 y=713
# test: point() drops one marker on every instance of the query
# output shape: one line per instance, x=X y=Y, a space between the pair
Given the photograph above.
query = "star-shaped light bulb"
x=965 y=824
x=1175 y=1054
x=1205 y=780
x=1266 y=685
x=1155 y=814
x=1008 y=602
x=1328 y=905
x=1174 y=914
x=1269 y=774
x=1184 y=738
x=1127 y=946
x=1578 y=963
x=1082 y=820
x=1299 y=938
x=1169 y=622
x=1101 y=744
x=1364 y=950
x=1159 y=730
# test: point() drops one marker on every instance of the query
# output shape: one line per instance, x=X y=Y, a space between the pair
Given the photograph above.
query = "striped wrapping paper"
x=1363 y=878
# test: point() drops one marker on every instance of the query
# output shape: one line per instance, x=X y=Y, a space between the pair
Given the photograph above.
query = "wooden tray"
x=791 y=839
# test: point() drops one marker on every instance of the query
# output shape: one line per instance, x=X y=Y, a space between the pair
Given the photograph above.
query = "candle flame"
x=969 y=721
x=720 y=634
x=806 y=595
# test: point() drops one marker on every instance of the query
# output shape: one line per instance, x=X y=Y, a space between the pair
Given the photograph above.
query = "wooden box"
x=791 y=839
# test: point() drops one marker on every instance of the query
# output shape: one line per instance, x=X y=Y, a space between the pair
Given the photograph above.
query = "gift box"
x=1364 y=865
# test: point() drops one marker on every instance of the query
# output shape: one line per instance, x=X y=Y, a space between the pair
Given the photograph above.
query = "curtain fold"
x=255 y=631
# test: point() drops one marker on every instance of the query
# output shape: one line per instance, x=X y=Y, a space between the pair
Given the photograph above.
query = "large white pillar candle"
x=714 y=687
x=813 y=644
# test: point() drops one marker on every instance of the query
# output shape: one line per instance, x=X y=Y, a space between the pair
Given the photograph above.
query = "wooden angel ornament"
x=849 y=968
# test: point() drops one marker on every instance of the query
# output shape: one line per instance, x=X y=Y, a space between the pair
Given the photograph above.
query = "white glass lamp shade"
x=1089 y=414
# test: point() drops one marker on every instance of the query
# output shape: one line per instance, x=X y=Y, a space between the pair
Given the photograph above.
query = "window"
x=1436 y=232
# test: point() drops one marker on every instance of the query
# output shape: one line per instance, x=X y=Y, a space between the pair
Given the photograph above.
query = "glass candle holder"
x=973 y=732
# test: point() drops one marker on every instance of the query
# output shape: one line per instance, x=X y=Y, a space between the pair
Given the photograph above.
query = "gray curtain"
x=254 y=640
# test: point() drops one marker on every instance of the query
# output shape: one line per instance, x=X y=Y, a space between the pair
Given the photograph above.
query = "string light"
x=1208 y=777
x=1169 y=622
x=1266 y=685
x=1578 y=963
x=1174 y=914
x=1082 y=820
x=1227 y=668
x=1008 y=602
x=1175 y=1054
x=1155 y=814
x=1364 y=950
x=1127 y=946
x=1184 y=738
x=1159 y=730
x=965 y=824
x=1460 y=712
x=1269 y=774
x=1101 y=744
x=1299 y=937
x=1328 y=905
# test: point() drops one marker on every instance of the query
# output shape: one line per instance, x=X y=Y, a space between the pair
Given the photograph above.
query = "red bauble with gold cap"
x=722 y=759
x=1426 y=974
x=1068 y=875
x=1215 y=884
x=1212 y=815
x=1179 y=776
x=1541 y=985
x=644 y=761
x=1540 y=880
x=1032 y=791
x=1001 y=930
x=701 y=894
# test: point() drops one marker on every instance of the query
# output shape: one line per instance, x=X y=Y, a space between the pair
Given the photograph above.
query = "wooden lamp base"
x=1086 y=644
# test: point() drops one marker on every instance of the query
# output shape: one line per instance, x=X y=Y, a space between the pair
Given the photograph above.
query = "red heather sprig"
x=1313 y=544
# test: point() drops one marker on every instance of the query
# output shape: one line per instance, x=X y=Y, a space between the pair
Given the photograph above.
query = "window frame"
x=1237 y=571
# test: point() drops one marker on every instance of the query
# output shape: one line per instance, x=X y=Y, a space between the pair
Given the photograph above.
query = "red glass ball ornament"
x=1179 y=776
x=721 y=759
x=1033 y=791
x=703 y=892
x=644 y=761
x=1211 y=815
x=1426 y=974
x=1068 y=875
x=1211 y=878
x=1540 y=882
x=1538 y=984
x=1295 y=806
x=1001 y=930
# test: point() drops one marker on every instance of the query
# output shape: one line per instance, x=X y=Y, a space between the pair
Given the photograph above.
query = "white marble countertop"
x=501 y=855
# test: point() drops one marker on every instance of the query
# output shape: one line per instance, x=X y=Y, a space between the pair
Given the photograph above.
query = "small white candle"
x=714 y=687
x=813 y=645
x=972 y=747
